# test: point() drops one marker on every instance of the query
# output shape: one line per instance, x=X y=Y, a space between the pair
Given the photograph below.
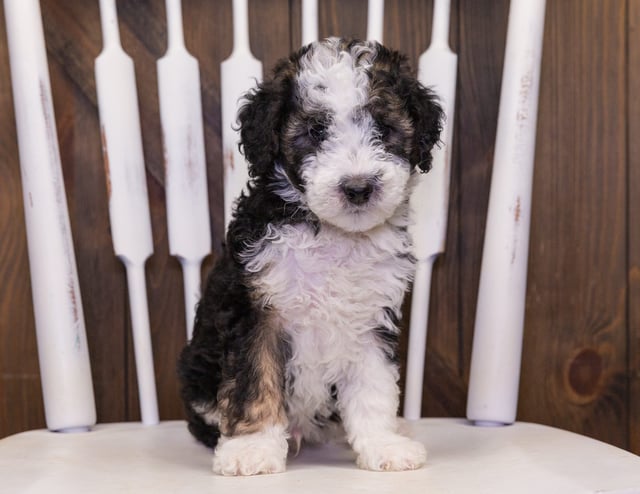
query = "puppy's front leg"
x=253 y=420
x=368 y=401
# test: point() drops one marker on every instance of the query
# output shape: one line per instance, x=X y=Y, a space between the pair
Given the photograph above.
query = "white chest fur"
x=331 y=288
x=330 y=291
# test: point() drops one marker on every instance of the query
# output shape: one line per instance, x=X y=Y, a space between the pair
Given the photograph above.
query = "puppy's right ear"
x=262 y=116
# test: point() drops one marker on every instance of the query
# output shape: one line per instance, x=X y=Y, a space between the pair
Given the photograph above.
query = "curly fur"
x=295 y=336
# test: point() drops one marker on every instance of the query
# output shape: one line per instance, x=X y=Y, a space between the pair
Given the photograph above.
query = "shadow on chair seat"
x=129 y=457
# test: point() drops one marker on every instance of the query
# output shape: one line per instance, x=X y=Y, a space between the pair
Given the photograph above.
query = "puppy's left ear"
x=428 y=117
x=419 y=102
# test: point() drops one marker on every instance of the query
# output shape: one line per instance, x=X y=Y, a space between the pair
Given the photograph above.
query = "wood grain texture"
x=633 y=157
x=575 y=365
x=209 y=39
x=344 y=18
x=581 y=366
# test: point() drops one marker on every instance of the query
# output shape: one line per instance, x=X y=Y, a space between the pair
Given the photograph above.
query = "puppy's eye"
x=317 y=132
x=384 y=131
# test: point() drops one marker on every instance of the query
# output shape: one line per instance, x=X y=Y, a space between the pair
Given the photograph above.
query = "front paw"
x=392 y=453
x=251 y=454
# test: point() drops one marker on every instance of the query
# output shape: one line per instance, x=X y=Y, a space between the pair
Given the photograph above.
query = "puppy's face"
x=343 y=125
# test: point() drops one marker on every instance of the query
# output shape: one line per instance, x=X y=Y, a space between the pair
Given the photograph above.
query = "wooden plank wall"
x=581 y=365
x=633 y=219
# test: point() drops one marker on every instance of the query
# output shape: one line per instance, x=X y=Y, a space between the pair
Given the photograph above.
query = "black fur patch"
x=393 y=80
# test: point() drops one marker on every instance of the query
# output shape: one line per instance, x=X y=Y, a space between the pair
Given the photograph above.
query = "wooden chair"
x=487 y=452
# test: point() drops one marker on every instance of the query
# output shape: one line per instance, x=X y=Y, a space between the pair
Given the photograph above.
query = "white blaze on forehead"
x=335 y=80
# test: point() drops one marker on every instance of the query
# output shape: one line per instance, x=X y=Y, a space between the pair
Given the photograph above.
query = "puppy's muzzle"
x=358 y=190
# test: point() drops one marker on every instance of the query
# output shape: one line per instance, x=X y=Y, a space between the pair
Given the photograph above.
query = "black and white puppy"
x=295 y=336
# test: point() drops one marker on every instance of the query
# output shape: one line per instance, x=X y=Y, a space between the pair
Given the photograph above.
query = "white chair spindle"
x=375 y=21
x=127 y=188
x=437 y=69
x=185 y=163
x=497 y=341
x=238 y=74
x=62 y=342
x=309 y=21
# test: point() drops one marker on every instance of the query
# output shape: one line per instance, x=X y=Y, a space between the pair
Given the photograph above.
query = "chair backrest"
x=68 y=394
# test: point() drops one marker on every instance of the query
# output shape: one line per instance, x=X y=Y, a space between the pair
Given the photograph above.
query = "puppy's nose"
x=357 y=191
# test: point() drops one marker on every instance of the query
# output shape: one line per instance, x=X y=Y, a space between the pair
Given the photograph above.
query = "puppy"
x=295 y=336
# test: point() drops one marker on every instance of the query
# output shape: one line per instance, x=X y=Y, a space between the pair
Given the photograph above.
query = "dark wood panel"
x=343 y=18
x=270 y=41
x=574 y=365
x=633 y=89
x=208 y=38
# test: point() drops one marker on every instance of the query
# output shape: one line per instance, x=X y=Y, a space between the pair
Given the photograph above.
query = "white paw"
x=392 y=453
x=251 y=454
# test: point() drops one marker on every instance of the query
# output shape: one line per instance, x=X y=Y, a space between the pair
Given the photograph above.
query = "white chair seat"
x=129 y=457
